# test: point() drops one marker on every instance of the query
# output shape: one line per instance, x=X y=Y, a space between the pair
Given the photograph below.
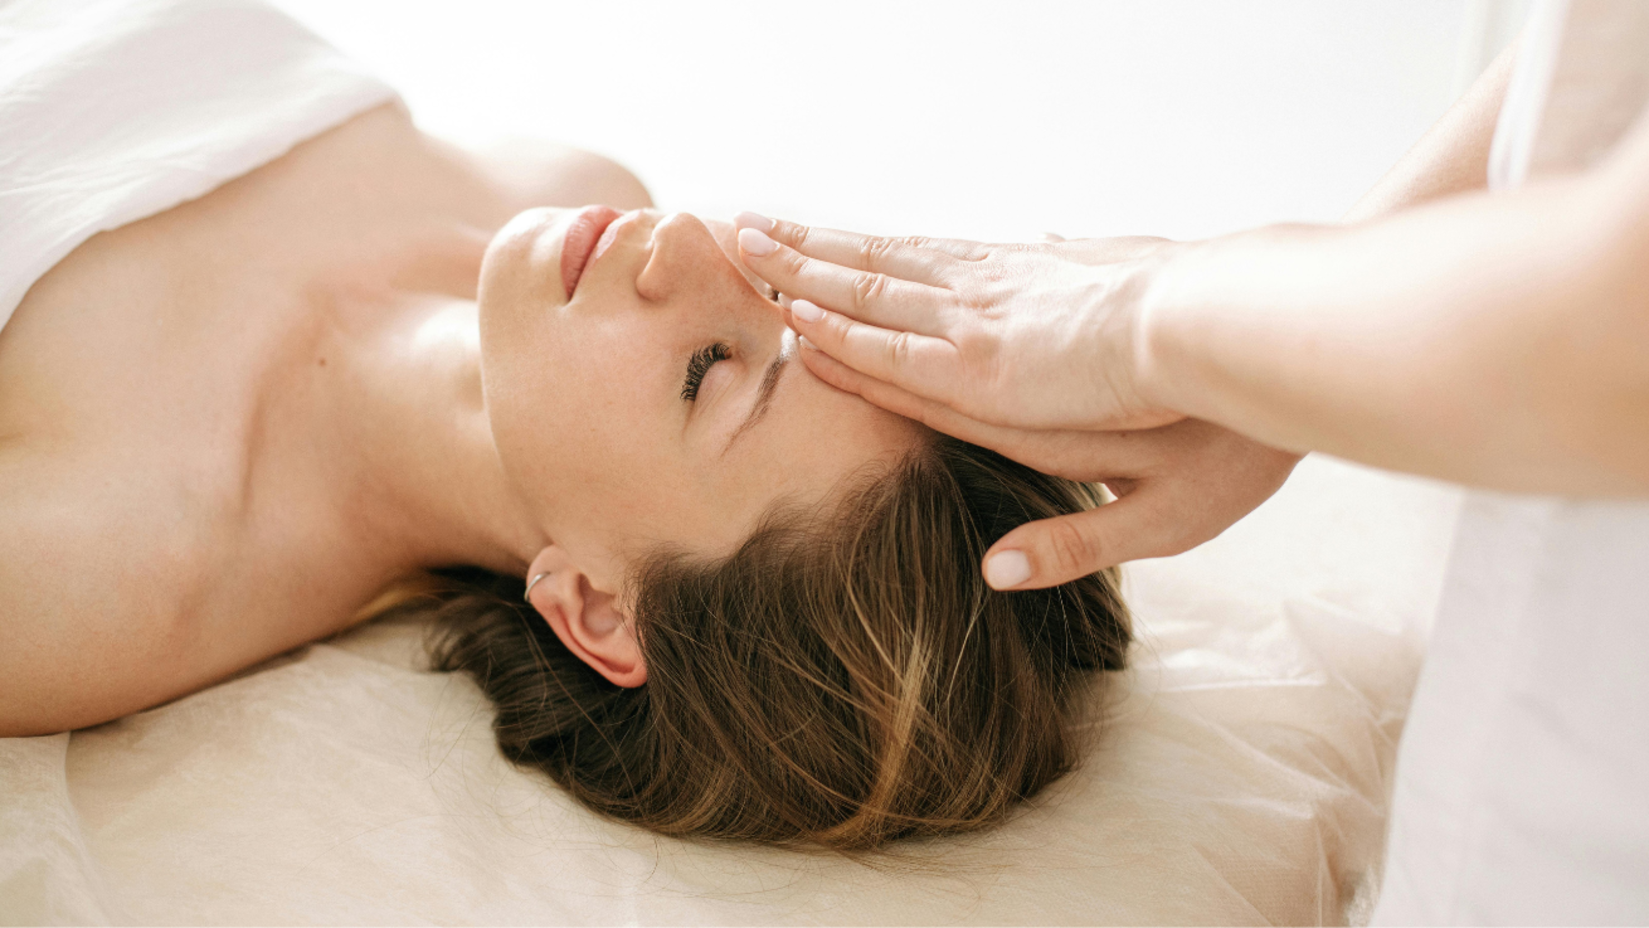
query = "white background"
x=984 y=120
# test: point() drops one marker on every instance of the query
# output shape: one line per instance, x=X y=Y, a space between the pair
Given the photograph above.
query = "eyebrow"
x=764 y=396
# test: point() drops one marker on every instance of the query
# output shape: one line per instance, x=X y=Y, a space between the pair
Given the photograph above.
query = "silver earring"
x=527 y=594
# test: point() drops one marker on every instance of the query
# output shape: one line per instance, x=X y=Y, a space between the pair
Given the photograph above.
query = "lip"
x=578 y=244
x=611 y=235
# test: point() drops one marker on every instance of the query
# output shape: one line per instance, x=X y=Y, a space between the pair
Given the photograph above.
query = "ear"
x=588 y=621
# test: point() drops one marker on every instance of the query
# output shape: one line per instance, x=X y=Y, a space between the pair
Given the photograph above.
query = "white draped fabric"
x=1522 y=792
x=114 y=110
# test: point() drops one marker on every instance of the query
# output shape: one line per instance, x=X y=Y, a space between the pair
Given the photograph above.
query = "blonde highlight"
x=845 y=680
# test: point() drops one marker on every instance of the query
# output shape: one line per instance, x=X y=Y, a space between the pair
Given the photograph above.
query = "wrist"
x=1206 y=334
x=1154 y=310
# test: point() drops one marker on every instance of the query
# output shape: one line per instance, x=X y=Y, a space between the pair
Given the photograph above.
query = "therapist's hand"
x=1023 y=336
x=1177 y=486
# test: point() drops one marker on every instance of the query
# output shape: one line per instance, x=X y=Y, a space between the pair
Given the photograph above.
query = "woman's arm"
x=1452 y=157
x=1499 y=340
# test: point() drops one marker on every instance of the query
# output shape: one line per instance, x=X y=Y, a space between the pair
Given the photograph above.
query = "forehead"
x=813 y=441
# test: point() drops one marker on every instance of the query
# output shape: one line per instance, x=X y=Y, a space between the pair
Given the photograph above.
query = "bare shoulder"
x=92 y=622
x=535 y=172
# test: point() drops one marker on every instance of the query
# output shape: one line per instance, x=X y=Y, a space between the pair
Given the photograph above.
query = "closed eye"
x=699 y=365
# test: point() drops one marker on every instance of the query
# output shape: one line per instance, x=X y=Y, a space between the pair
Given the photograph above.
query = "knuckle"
x=878 y=252
x=898 y=350
x=868 y=288
x=794 y=263
x=873 y=251
x=1073 y=550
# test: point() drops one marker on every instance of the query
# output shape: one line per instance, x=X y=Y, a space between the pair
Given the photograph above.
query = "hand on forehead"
x=726 y=235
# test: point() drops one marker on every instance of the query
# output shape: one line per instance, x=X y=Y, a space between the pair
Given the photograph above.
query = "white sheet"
x=1242 y=779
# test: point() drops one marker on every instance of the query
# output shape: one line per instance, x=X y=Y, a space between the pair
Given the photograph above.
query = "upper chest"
x=167 y=372
x=191 y=324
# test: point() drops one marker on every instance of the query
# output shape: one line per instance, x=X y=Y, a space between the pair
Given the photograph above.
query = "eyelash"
x=699 y=365
x=705 y=358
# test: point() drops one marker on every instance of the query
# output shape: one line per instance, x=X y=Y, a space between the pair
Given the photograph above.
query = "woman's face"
x=661 y=402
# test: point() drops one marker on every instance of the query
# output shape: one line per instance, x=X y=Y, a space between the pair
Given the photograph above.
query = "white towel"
x=114 y=110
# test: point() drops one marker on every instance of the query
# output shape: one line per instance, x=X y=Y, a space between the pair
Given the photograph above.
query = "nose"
x=686 y=258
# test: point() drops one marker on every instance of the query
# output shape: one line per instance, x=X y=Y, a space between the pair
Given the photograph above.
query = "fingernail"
x=1006 y=569
x=806 y=311
x=749 y=220
x=756 y=242
x=804 y=344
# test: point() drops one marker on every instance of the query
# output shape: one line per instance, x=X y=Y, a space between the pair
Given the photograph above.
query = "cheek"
x=531 y=402
x=579 y=423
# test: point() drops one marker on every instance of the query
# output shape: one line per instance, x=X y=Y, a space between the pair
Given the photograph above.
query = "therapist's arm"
x=1182 y=484
x=1498 y=340
x=942 y=318
x=1452 y=157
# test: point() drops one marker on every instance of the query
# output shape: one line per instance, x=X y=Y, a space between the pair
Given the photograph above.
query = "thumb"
x=1049 y=552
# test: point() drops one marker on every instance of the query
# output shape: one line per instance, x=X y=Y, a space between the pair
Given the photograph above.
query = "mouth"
x=579 y=246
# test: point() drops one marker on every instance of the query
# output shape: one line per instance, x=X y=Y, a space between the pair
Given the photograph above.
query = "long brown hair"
x=844 y=679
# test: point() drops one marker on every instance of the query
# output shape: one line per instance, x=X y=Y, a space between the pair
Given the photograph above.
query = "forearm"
x=1495 y=340
x=1452 y=157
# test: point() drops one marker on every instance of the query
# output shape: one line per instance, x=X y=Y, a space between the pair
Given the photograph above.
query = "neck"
x=426 y=486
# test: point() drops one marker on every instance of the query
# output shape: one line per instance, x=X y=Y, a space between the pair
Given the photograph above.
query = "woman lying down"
x=229 y=426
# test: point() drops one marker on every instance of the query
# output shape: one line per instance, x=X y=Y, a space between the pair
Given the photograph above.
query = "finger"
x=934 y=415
x=1052 y=237
x=1049 y=552
x=909 y=257
x=869 y=296
x=913 y=257
x=919 y=364
x=1086 y=456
